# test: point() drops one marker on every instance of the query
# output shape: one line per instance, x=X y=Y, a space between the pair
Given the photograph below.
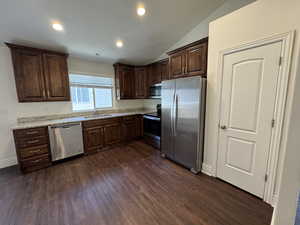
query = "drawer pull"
x=32 y=132
x=35 y=151
x=38 y=160
x=33 y=142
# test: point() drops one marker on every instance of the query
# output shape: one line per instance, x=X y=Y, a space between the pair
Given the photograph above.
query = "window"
x=90 y=92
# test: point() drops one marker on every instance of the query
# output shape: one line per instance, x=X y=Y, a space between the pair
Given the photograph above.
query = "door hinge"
x=280 y=60
x=266 y=177
x=273 y=123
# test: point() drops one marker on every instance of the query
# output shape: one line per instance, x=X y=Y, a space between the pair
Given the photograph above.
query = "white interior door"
x=247 y=108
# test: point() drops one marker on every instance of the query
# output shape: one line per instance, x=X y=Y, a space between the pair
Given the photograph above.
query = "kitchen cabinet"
x=141 y=81
x=101 y=133
x=33 y=148
x=40 y=75
x=196 y=59
x=177 y=64
x=154 y=74
x=190 y=60
x=125 y=81
x=131 y=128
x=93 y=139
x=112 y=133
x=33 y=145
x=56 y=77
x=164 y=69
x=134 y=82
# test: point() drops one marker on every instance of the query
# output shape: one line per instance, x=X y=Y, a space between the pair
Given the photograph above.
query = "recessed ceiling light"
x=141 y=11
x=119 y=44
x=57 y=26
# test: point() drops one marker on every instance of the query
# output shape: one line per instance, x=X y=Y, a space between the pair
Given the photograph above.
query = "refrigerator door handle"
x=176 y=115
x=172 y=116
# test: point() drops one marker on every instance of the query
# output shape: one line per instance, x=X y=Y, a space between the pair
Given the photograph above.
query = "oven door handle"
x=151 y=118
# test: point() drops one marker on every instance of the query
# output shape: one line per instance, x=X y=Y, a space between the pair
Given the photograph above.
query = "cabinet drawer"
x=100 y=122
x=33 y=151
x=35 y=163
x=130 y=118
x=30 y=142
x=32 y=132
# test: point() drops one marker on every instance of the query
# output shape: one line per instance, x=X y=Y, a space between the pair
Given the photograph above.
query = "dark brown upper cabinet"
x=141 y=80
x=40 y=75
x=124 y=81
x=177 y=64
x=154 y=74
x=190 y=60
x=196 y=57
x=164 y=69
x=56 y=77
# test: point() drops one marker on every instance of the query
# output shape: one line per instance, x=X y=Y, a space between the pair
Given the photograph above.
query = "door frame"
x=281 y=112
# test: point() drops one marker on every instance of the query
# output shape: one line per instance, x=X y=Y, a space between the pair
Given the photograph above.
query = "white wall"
x=259 y=20
x=10 y=109
x=201 y=30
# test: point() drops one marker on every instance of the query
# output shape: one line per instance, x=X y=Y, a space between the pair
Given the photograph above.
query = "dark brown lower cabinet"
x=93 y=139
x=129 y=128
x=33 y=148
x=101 y=134
x=112 y=134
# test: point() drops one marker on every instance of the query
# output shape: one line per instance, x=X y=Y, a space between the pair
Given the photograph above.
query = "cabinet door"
x=127 y=83
x=29 y=77
x=141 y=82
x=93 y=139
x=164 y=69
x=56 y=76
x=177 y=64
x=112 y=134
x=130 y=129
x=197 y=60
x=155 y=74
x=140 y=126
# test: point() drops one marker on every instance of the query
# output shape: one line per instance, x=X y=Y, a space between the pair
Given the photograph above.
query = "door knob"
x=223 y=127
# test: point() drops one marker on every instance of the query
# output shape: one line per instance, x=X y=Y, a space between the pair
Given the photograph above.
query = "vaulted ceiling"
x=93 y=26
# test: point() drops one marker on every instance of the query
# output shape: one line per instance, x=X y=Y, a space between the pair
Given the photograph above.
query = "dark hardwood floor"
x=128 y=185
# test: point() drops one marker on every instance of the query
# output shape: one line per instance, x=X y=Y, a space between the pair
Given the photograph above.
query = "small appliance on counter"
x=152 y=128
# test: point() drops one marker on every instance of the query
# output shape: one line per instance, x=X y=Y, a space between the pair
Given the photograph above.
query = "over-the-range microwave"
x=155 y=91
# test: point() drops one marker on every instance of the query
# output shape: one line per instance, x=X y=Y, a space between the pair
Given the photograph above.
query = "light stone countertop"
x=40 y=123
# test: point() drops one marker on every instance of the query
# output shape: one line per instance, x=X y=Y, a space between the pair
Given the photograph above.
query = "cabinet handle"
x=33 y=142
x=38 y=160
x=32 y=132
x=35 y=151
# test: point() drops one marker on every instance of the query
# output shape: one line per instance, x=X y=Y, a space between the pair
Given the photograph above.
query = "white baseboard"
x=207 y=169
x=8 y=162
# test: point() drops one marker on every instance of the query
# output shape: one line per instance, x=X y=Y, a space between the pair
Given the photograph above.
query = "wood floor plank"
x=127 y=185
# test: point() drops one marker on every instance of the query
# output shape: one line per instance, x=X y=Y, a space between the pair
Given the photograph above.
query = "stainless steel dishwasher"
x=65 y=140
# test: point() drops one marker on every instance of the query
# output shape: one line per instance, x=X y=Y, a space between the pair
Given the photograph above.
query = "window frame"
x=93 y=88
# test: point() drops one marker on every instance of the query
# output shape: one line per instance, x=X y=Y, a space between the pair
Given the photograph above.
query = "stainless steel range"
x=152 y=129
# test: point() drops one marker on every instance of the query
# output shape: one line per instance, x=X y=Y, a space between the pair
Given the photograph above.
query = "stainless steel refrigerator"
x=182 y=119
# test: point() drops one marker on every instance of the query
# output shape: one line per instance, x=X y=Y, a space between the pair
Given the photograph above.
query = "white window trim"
x=93 y=86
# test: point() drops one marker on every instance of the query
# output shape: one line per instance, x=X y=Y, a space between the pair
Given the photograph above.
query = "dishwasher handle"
x=65 y=126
